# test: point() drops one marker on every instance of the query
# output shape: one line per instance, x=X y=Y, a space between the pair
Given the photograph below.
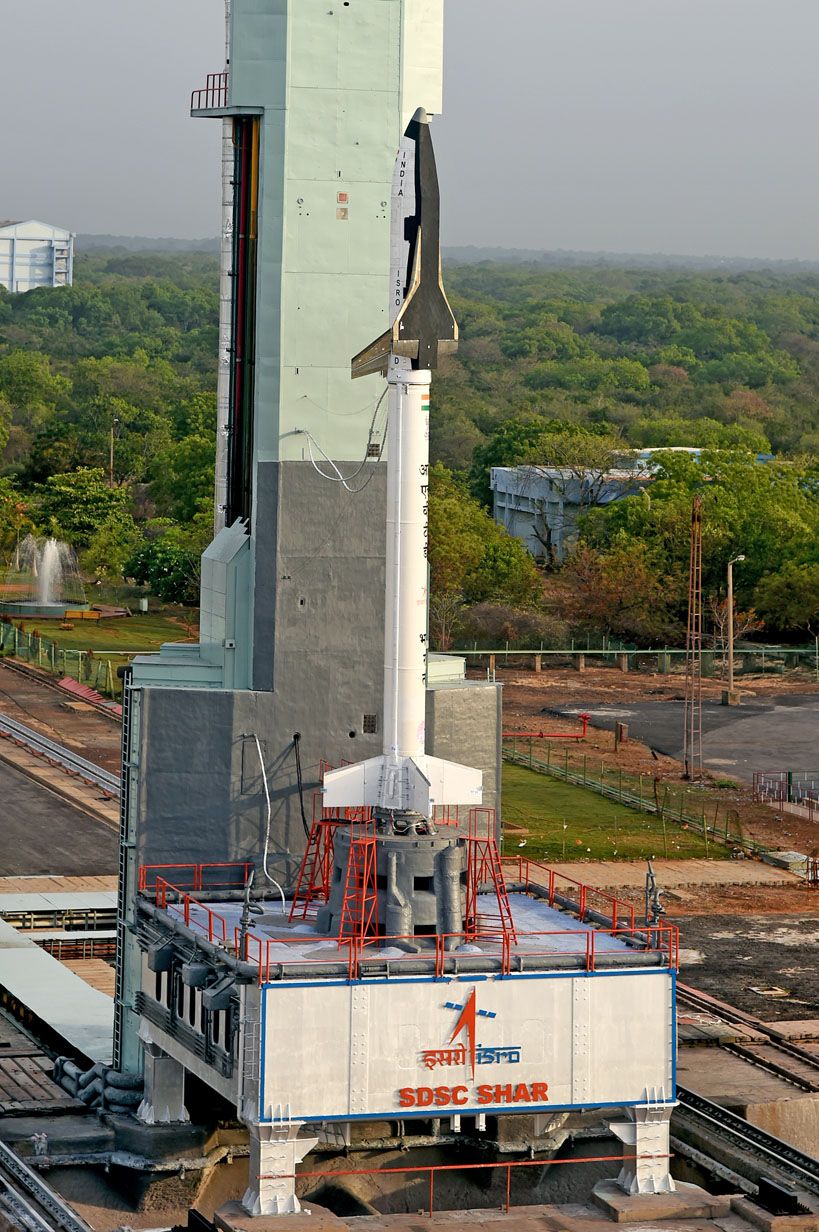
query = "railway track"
x=59 y=755
x=49 y=682
x=777 y=1054
x=767 y=1155
x=29 y=1203
x=764 y=1155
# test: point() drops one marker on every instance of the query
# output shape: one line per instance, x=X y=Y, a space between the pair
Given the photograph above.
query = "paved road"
x=779 y=733
x=41 y=834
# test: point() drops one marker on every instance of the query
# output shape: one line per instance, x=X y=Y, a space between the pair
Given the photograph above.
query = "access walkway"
x=67 y=1007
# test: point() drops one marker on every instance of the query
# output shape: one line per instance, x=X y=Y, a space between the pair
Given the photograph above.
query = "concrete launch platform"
x=690 y=1209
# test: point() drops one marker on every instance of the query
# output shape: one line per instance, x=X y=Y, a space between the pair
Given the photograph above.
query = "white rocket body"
x=405 y=778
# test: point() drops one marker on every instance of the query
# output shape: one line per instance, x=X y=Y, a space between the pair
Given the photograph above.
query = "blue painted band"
x=486 y=1110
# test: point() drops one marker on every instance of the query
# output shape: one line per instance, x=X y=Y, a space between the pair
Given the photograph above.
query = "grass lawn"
x=120 y=634
x=562 y=822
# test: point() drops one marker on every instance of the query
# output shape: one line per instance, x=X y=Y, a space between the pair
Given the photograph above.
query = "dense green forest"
x=556 y=366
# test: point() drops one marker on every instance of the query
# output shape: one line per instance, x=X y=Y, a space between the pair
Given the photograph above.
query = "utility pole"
x=730 y=697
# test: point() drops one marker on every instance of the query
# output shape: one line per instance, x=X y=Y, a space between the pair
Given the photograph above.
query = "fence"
x=748 y=660
x=716 y=822
x=94 y=668
x=787 y=787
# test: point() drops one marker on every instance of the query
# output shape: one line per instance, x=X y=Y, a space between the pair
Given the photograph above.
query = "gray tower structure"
x=224 y=741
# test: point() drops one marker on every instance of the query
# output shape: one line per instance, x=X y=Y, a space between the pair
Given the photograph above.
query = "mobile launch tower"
x=330 y=949
x=226 y=740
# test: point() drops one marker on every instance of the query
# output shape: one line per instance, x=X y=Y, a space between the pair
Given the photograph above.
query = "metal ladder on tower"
x=484 y=867
x=313 y=881
x=359 y=910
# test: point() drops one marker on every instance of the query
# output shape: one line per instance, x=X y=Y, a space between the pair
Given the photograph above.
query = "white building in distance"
x=35 y=254
x=541 y=505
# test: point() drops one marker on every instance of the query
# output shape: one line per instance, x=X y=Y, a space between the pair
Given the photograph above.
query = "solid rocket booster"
x=422 y=326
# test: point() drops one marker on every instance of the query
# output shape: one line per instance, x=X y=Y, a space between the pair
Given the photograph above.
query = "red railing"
x=214 y=94
x=193 y=877
x=432 y=1170
x=266 y=952
x=195 y=914
x=585 y=897
x=500 y=943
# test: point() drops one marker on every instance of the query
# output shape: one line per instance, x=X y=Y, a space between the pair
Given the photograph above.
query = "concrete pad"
x=731 y=1081
x=562 y=1218
x=793 y=861
x=687 y=1202
x=779 y=730
x=69 y=787
x=232 y=1217
x=672 y=874
x=67 y=1135
x=765 y=1222
x=44 y=834
x=799 y=1029
x=693 y=1028
x=77 y=1013
x=58 y=885
x=158 y=1142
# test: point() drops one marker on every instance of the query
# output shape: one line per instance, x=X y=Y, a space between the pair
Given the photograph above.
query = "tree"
x=789 y=598
x=744 y=623
x=169 y=559
x=535 y=440
x=765 y=511
x=112 y=545
x=183 y=476
x=471 y=558
x=505 y=572
x=74 y=506
x=672 y=431
x=590 y=375
x=29 y=396
x=445 y=608
x=617 y=592
x=168 y=567
x=15 y=520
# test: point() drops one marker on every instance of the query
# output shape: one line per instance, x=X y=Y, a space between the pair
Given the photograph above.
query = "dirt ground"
x=60 y=717
x=767 y=965
x=529 y=698
x=682 y=902
x=609 y=684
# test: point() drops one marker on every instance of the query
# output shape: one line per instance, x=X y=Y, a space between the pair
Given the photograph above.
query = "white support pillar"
x=275 y=1152
x=646 y=1148
x=164 y=1095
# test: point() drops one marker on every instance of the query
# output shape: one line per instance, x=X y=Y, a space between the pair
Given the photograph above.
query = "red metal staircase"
x=484 y=869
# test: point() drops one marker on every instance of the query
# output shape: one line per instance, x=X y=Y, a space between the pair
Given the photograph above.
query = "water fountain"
x=42 y=580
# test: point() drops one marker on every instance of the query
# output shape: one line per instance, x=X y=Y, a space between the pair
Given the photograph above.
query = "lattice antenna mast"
x=692 y=743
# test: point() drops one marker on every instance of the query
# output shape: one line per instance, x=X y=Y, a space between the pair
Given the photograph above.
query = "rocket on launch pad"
x=404 y=784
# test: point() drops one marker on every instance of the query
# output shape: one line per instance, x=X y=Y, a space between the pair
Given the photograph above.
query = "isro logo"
x=468 y=1050
x=464 y=1049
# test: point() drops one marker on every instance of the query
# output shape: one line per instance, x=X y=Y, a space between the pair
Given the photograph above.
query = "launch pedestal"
x=275 y=1150
x=415 y=884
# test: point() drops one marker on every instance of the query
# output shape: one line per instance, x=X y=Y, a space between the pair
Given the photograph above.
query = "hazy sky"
x=683 y=126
